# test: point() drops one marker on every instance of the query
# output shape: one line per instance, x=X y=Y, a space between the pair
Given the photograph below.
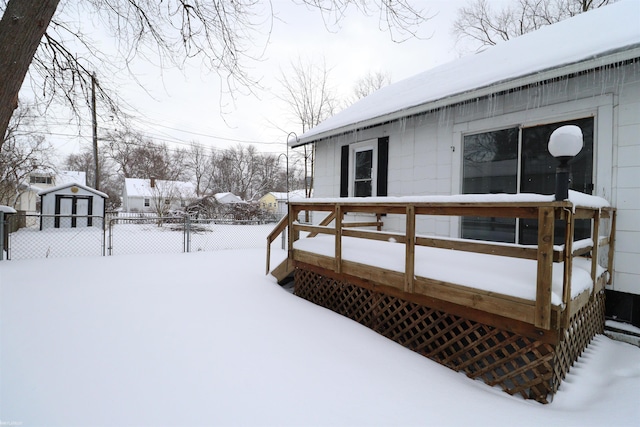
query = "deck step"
x=283 y=272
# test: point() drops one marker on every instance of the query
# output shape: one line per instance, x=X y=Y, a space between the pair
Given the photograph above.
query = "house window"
x=516 y=160
x=363 y=173
x=364 y=168
x=183 y=203
x=146 y=202
x=167 y=201
x=35 y=179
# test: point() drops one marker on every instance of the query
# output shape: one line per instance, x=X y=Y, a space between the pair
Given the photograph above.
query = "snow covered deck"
x=543 y=284
x=513 y=315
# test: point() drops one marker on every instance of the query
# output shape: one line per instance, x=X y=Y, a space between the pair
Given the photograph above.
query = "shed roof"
x=7 y=209
x=72 y=184
x=597 y=38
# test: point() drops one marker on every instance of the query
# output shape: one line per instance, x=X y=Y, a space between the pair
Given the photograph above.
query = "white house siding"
x=626 y=181
x=425 y=152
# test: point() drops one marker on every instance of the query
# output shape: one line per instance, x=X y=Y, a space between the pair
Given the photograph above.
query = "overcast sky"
x=185 y=106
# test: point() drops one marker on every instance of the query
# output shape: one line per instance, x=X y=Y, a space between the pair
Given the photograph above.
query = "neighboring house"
x=155 y=195
x=217 y=206
x=481 y=124
x=226 y=198
x=72 y=205
x=276 y=202
x=28 y=199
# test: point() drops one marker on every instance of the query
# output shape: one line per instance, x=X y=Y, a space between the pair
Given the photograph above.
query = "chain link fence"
x=45 y=236
x=54 y=236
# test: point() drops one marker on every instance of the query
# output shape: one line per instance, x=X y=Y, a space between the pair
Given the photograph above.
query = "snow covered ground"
x=207 y=339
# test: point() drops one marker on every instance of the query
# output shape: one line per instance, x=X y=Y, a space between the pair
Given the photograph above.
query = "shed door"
x=64 y=208
x=73 y=211
x=82 y=210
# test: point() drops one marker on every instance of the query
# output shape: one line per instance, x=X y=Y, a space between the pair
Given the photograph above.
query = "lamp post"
x=288 y=138
x=564 y=144
x=286 y=156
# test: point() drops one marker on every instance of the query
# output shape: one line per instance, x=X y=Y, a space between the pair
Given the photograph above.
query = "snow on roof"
x=72 y=184
x=66 y=177
x=294 y=194
x=7 y=209
x=227 y=198
x=599 y=37
x=139 y=187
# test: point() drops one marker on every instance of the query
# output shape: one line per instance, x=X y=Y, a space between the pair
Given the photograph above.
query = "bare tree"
x=110 y=181
x=136 y=156
x=224 y=34
x=236 y=171
x=245 y=172
x=163 y=193
x=21 y=28
x=24 y=152
x=197 y=162
x=483 y=26
x=311 y=98
x=368 y=84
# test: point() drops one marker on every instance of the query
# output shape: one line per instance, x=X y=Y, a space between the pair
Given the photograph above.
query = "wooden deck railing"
x=539 y=313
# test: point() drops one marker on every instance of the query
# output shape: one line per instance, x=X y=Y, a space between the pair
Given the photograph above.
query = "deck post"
x=545 y=267
x=293 y=213
x=338 y=249
x=410 y=249
x=568 y=267
x=612 y=243
x=595 y=251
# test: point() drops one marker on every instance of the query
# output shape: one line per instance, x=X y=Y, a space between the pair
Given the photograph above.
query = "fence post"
x=187 y=233
x=110 y=244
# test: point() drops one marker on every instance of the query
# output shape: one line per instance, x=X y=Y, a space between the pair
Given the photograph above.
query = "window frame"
x=520 y=156
x=368 y=145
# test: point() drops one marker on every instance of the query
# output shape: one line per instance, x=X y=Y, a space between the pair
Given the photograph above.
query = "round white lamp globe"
x=566 y=141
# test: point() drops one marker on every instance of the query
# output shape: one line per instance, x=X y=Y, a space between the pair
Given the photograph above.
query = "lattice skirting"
x=518 y=364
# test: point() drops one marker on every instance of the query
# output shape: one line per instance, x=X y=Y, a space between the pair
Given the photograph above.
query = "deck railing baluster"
x=410 y=249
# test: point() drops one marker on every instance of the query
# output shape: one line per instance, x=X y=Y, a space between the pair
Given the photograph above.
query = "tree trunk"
x=22 y=26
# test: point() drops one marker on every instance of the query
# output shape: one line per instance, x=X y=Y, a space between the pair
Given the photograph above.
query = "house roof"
x=66 y=177
x=227 y=198
x=72 y=184
x=294 y=194
x=139 y=187
x=597 y=38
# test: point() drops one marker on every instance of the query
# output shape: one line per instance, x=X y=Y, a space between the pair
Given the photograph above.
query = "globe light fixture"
x=564 y=144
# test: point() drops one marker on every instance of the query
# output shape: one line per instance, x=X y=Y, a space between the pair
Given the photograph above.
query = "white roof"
x=66 y=177
x=294 y=194
x=72 y=184
x=7 y=209
x=599 y=37
x=227 y=198
x=139 y=187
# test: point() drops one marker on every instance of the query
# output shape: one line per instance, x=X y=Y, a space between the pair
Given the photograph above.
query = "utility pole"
x=96 y=176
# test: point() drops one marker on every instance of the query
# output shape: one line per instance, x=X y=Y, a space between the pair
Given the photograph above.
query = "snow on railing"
x=541 y=208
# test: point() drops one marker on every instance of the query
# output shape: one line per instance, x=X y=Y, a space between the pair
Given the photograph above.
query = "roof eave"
x=502 y=86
